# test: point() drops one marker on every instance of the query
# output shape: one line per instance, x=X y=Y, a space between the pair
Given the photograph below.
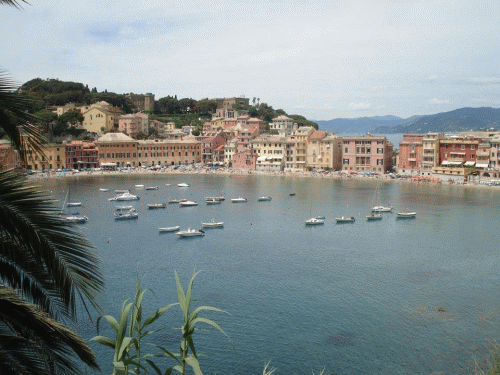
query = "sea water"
x=393 y=296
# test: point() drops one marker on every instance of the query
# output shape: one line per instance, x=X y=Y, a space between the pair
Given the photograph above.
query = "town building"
x=323 y=151
x=284 y=125
x=133 y=124
x=143 y=102
x=81 y=155
x=411 y=154
x=100 y=117
x=245 y=159
x=366 y=154
x=117 y=150
x=300 y=138
x=270 y=151
x=210 y=142
x=9 y=156
x=52 y=156
x=168 y=152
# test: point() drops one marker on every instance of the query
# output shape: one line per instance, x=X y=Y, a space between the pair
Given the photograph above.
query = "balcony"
x=483 y=153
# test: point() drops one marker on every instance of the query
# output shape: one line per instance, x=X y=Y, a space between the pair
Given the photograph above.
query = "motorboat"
x=124 y=208
x=168 y=184
x=191 y=232
x=262 y=199
x=76 y=219
x=130 y=214
x=125 y=197
x=382 y=208
x=345 y=219
x=139 y=186
x=121 y=191
x=188 y=203
x=169 y=229
x=183 y=185
x=151 y=187
x=73 y=204
x=213 y=224
x=320 y=217
x=238 y=200
x=406 y=215
x=173 y=201
x=212 y=201
x=103 y=189
x=315 y=221
x=373 y=217
x=156 y=205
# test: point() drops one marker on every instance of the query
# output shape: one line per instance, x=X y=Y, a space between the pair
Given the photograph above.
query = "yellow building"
x=323 y=151
x=229 y=151
x=53 y=157
x=100 y=117
x=271 y=152
x=300 y=138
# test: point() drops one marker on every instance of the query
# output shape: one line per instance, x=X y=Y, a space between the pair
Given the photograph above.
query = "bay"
x=387 y=297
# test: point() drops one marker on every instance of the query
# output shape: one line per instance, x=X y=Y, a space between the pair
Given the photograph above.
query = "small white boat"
x=103 y=189
x=156 y=205
x=73 y=204
x=315 y=221
x=406 y=215
x=183 y=185
x=169 y=229
x=345 y=219
x=262 y=199
x=76 y=219
x=221 y=198
x=188 y=203
x=130 y=214
x=173 y=201
x=151 y=187
x=168 y=184
x=123 y=208
x=121 y=191
x=213 y=224
x=238 y=200
x=382 y=208
x=373 y=217
x=139 y=186
x=125 y=197
x=320 y=217
x=191 y=233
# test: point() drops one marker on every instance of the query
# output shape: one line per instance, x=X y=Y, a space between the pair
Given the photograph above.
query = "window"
x=472 y=147
x=345 y=161
x=463 y=147
x=346 y=150
x=380 y=150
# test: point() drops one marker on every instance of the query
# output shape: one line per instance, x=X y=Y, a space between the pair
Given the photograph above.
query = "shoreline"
x=416 y=179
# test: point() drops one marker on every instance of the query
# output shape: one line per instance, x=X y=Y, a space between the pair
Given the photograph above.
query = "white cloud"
x=358 y=106
x=438 y=101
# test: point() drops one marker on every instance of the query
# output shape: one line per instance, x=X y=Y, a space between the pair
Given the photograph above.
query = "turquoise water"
x=358 y=298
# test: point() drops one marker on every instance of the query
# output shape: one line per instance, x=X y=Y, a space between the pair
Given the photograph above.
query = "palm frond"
x=15 y=120
x=13 y=3
x=38 y=340
x=31 y=221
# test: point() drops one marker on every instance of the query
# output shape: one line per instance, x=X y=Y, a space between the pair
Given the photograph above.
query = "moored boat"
x=183 y=185
x=103 y=189
x=77 y=219
x=345 y=219
x=73 y=204
x=151 y=187
x=125 y=197
x=382 y=208
x=406 y=215
x=213 y=224
x=212 y=201
x=191 y=233
x=262 y=199
x=373 y=217
x=123 y=208
x=238 y=200
x=188 y=203
x=315 y=221
x=130 y=214
x=169 y=229
x=156 y=205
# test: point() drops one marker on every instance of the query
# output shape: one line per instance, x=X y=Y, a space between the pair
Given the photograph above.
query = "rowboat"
x=169 y=229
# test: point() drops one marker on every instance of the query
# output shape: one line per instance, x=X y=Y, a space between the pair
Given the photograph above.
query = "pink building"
x=82 y=155
x=366 y=154
x=411 y=153
x=256 y=123
x=132 y=124
x=209 y=145
x=245 y=159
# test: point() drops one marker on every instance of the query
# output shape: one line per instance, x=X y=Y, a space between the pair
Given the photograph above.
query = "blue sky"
x=321 y=59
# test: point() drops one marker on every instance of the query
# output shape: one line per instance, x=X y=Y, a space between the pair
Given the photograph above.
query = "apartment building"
x=283 y=124
x=300 y=138
x=100 y=117
x=366 y=154
x=323 y=151
x=168 y=152
x=9 y=156
x=133 y=124
x=53 y=156
x=270 y=151
x=117 y=150
x=410 y=154
x=81 y=155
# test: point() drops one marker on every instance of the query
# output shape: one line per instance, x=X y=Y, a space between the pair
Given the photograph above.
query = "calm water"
x=358 y=298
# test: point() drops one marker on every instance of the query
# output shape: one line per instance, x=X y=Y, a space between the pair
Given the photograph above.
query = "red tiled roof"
x=220 y=147
x=317 y=135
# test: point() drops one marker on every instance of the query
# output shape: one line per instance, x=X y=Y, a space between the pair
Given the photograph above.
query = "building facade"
x=366 y=154
x=81 y=155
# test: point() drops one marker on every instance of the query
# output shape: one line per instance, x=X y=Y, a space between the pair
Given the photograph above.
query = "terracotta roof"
x=115 y=137
x=220 y=147
x=317 y=135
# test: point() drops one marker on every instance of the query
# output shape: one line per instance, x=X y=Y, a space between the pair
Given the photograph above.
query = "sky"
x=321 y=59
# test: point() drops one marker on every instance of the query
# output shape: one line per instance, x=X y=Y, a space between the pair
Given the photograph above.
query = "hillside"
x=462 y=119
x=359 y=125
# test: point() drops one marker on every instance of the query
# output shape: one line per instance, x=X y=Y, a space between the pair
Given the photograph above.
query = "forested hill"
x=462 y=119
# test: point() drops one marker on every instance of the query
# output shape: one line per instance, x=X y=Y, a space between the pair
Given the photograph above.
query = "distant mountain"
x=360 y=124
x=462 y=119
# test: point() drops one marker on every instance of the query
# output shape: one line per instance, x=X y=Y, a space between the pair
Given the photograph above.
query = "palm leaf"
x=17 y=123
x=49 y=344
x=13 y=3
x=68 y=265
